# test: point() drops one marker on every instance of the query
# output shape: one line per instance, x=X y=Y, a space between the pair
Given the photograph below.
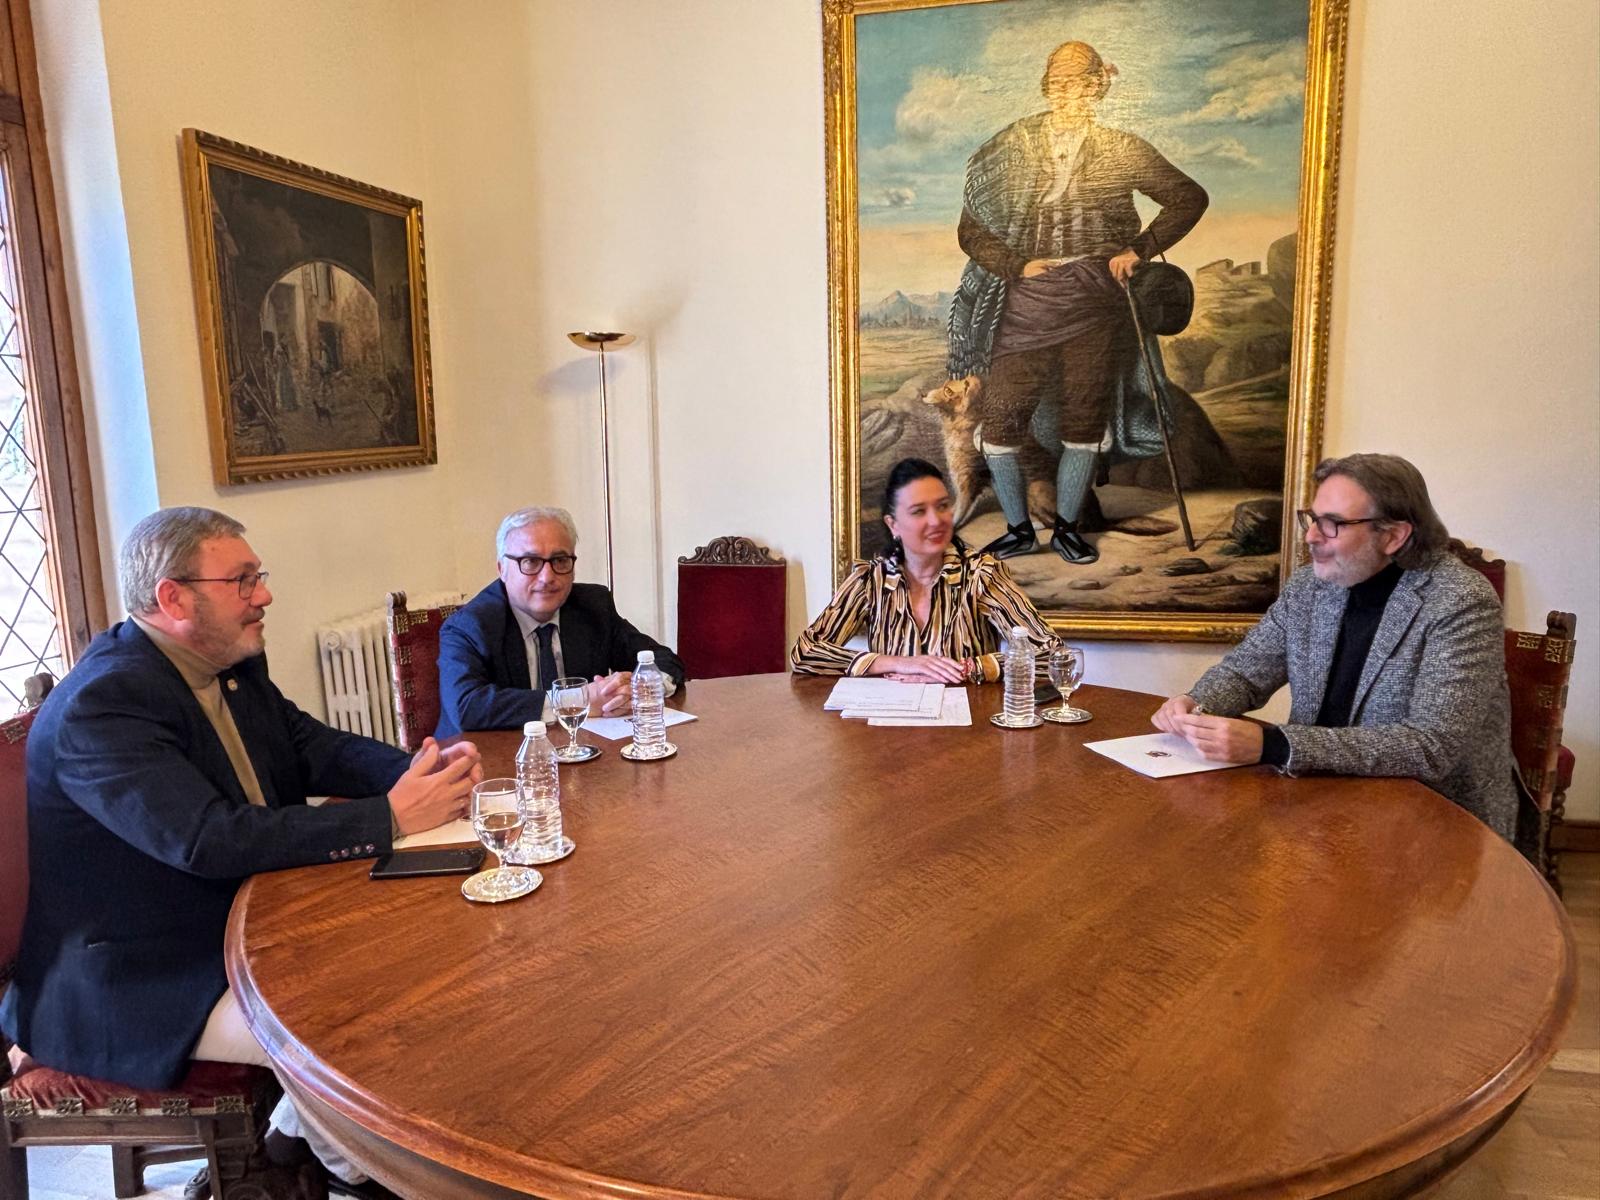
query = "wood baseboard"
x=1580 y=837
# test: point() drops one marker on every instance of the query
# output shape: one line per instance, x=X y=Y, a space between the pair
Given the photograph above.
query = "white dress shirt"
x=530 y=646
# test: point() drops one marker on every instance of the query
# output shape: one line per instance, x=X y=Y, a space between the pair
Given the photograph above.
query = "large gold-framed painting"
x=1080 y=258
x=313 y=316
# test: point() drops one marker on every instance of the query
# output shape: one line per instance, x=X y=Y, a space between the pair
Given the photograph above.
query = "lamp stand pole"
x=599 y=342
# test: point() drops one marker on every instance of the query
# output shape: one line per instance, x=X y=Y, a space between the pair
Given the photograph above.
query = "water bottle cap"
x=533 y=727
x=647 y=656
x=1017 y=631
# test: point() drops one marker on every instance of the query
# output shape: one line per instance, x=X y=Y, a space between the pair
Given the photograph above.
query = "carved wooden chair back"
x=1538 y=668
x=414 y=655
x=1492 y=569
x=13 y=837
x=731 y=610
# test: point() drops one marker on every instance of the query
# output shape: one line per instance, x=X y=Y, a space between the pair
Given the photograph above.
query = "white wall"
x=1466 y=328
x=659 y=168
x=1464 y=332
x=341 y=86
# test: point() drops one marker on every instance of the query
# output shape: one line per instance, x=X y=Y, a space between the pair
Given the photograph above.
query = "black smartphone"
x=438 y=860
x=1045 y=694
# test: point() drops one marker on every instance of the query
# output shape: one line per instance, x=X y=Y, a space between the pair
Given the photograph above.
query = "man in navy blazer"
x=164 y=770
x=499 y=653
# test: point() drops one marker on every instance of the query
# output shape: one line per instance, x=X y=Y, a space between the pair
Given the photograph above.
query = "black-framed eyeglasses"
x=1329 y=527
x=532 y=564
x=246 y=582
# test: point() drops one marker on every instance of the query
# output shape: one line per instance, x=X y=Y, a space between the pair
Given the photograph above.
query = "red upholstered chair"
x=414 y=655
x=213 y=1113
x=1530 y=711
x=1538 y=667
x=731 y=596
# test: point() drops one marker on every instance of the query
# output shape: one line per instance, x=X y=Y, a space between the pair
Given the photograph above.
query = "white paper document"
x=928 y=706
x=620 y=729
x=953 y=710
x=1157 y=755
x=860 y=696
x=448 y=834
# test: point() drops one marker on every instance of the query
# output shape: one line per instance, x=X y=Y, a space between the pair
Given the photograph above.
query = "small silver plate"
x=1062 y=715
x=627 y=753
x=584 y=754
x=473 y=888
x=562 y=851
x=1000 y=720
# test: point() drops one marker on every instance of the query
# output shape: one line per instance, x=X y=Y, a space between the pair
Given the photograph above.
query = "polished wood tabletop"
x=808 y=958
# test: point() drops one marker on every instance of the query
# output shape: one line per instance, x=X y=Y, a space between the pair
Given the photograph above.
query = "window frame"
x=55 y=402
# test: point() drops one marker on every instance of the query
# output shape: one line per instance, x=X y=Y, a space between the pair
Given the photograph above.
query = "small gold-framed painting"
x=313 y=315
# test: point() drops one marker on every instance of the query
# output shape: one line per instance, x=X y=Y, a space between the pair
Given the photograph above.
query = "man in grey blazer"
x=1391 y=647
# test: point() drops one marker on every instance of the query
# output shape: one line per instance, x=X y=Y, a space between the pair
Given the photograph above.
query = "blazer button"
x=233 y=685
x=371 y=849
x=333 y=854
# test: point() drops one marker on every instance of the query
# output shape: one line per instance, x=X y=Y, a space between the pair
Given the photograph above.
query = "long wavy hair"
x=1398 y=493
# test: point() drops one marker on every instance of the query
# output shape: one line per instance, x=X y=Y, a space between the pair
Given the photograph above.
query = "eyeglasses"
x=532 y=564
x=1329 y=527
x=246 y=583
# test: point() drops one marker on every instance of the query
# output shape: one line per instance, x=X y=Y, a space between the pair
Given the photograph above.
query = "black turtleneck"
x=1362 y=614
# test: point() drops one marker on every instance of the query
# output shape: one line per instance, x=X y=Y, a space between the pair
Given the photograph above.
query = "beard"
x=227 y=639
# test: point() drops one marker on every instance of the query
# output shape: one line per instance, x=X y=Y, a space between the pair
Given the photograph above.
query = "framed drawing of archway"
x=997 y=171
x=313 y=314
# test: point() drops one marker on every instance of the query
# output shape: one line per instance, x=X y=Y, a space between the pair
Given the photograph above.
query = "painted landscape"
x=1217 y=90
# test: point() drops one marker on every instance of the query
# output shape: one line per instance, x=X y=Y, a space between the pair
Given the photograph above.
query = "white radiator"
x=357 y=673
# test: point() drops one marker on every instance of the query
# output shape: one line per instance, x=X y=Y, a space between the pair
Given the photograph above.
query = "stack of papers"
x=887 y=702
x=884 y=698
x=953 y=710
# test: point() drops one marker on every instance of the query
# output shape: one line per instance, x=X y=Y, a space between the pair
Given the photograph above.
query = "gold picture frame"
x=313 y=313
x=904 y=96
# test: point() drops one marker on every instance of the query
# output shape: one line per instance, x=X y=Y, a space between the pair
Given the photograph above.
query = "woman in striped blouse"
x=933 y=610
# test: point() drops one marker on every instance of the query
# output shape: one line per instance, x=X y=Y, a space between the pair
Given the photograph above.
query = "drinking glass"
x=497 y=820
x=1065 y=664
x=569 y=700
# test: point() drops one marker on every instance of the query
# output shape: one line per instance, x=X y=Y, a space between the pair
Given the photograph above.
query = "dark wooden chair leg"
x=127 y=1173
x=14 y=1173
x=220 y=1178
x=1552 y=857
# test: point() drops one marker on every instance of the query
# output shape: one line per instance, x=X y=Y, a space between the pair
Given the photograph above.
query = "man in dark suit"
x=164 y=770
x=500 y=652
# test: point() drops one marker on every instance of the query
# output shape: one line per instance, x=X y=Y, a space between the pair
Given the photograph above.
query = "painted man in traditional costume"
x=1049 y=224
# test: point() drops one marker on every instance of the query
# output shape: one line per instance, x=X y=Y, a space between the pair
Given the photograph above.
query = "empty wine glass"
x=569 y=700
x=1065 y=664
x=497 y=820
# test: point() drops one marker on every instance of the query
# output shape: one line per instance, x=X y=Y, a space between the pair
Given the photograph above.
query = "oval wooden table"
x=808 y=958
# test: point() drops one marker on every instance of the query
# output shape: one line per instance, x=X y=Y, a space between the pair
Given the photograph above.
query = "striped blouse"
x=975 y=602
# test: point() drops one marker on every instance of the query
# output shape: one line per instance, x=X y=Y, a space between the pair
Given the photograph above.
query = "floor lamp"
x=599 y=341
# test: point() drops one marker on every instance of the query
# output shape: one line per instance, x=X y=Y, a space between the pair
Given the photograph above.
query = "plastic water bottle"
x=539 y=795
x=1019 y=678
x=649 y=710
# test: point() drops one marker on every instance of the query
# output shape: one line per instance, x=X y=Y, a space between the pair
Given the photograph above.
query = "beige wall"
x=659 y=168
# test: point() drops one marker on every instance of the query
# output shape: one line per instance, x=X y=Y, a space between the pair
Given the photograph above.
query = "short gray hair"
x=529 y=516
x=1399 y=493
x=165 y=545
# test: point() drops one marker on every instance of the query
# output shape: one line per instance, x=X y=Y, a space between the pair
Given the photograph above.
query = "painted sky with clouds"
x=1215 y=85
